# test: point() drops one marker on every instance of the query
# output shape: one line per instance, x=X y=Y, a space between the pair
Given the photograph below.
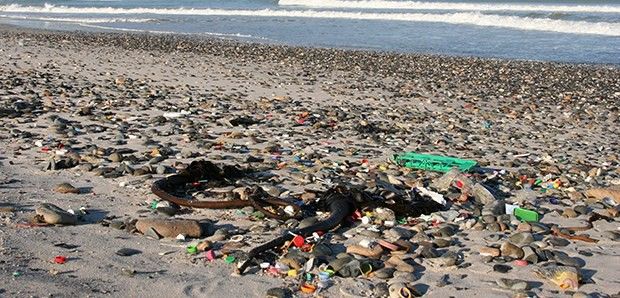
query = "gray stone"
x=521 y=238
x=510 y=250
x=529 y=255
x=512 y=284
x=53 y=214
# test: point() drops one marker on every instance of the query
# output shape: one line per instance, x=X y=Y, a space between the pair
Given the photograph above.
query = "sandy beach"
x=115 y=112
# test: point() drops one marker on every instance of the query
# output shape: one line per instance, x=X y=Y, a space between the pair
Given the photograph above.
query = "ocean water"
x=548 y=30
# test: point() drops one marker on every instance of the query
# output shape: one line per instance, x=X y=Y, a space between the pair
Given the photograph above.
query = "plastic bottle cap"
x=237 y=238
x=298 y=241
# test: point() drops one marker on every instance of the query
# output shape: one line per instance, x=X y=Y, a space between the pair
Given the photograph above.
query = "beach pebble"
x=279 y=293
x=125 y=252
x=53 y=214
x=501 y=268
x=510 y=250
x=512 y=284
x=490 y=251
x=569 y=213
x=170 y=228
x=529 y=255
x=521 y=239
x=66 y=188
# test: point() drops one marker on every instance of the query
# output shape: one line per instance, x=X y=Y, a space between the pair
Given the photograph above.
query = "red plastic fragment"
x=60 y=259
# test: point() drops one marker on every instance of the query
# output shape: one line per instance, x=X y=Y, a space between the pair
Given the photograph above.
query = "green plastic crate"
x=435 y=163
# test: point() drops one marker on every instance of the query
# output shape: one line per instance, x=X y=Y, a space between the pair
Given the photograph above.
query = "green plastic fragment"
x=433 y=162
x=526 y=215
x=192 y=249
x=258 y=215
x=229 y=259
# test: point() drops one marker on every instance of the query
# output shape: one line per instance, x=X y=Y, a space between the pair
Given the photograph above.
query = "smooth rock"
x=66 y=188
x=447 y=259
x=510 y=250
x=529 y=255
x=490 y=251
x=512 y=284
x=558 y=242
x=126 y=252
x=521 y=239
x=53 y=214
x=170 y=228
x=569 y=213
x=524 y=227
x=279 y=293
x=501 y=268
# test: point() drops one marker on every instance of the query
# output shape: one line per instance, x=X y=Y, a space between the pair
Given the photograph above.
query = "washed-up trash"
x=176 y=114
x=229 y=259
x=308 y=288
x=521 y=213
x=60 y=259
x=437 y=197
x=192 y=249
x=433 y=162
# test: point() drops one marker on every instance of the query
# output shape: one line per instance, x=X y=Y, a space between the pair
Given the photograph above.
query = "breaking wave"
x=465 y=18
x=79 y=20
x=379 y=4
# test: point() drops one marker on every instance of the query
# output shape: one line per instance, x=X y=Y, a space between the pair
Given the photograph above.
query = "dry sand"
x=489 y=110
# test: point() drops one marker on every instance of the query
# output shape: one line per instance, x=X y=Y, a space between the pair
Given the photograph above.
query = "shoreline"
x=166 y=41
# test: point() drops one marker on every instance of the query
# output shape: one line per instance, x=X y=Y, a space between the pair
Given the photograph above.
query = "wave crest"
x=465 y=18
x=418 y=5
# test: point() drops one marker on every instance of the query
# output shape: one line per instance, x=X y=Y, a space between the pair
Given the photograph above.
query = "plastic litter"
x=521 y=213
x=433 y=162
x=192 y=249
x=308 y=288
x=60 y=259
x=229 y=259
x=437 y=197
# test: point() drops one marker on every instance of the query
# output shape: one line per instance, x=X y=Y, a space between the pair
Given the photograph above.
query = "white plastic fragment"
x=437 y=197
x=289 y=210
x=176 y=114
